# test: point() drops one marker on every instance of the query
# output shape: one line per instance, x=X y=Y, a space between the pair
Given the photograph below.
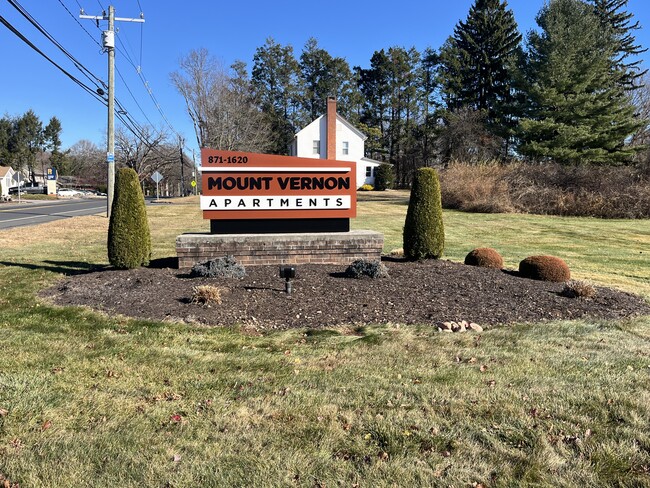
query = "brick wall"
x=325 y=248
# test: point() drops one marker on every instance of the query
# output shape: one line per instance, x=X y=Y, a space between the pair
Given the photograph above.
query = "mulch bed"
x=426 y=292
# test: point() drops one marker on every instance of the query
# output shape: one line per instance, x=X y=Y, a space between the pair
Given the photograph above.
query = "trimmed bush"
x=545 y=268
x=226 y=267
x=424 y=233
x=384 y=177
x=129 y=241
x=484 y=257
x=371 y=269
x=366 y=187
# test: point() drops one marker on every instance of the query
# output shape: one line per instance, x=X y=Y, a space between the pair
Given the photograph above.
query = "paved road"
x=39 y=211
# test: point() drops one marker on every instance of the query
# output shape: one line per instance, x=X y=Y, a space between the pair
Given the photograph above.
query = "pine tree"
x=322 y=76
x=478 y=65
x=621 y=28
x=274 y=79
x=578 y=112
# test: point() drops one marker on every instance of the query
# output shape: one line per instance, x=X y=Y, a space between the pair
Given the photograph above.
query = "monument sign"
x=246 y=193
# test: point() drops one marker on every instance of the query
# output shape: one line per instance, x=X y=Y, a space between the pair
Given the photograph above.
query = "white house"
x=6 y=179
x=330 y=136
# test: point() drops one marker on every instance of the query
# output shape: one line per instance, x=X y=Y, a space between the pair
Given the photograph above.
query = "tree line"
x=565 y=92
x=24 y=141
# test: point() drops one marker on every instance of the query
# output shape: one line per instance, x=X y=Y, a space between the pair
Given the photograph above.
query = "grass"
x=93 y=400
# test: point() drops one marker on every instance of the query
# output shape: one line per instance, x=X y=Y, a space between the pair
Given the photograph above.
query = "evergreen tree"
x=424 y=232
x=323 y=76
x=578 y=112
x=129 y=241
x=478 y=65
x=274 y=79
x=620 y=26
x=26 y=142
x=52 y=142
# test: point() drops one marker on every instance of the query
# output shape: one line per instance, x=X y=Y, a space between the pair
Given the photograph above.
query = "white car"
x=65 y=192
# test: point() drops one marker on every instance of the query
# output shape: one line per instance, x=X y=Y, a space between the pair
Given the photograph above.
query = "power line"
x=77 y=21
x=143 y=79
x=123 y=115
x=85 y=71
x=30 y=44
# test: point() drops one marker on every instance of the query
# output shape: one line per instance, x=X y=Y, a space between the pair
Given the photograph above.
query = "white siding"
x=303 y=144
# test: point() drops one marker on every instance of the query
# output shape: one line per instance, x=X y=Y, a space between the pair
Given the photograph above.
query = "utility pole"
x=181 y=143
x=108 y=42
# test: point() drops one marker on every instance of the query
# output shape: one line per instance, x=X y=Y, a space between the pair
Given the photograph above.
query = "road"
x=40 y=211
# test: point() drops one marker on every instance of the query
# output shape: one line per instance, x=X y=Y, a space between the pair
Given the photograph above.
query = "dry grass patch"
x=207 y=295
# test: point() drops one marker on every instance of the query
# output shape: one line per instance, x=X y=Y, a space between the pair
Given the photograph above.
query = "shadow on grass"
x=67 y=268
x=71 y=268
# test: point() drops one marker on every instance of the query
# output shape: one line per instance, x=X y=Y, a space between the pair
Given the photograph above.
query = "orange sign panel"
x=238 y=185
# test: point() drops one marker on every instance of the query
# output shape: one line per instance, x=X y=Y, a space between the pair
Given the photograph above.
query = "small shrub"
x=366 y=187
x=578 y=289
x=484 y=257
x=371 y=269
x=545 y=268
x=206 y=295
x=424 y=233
x=129 y=241
x=384 y=177
x=226 y=267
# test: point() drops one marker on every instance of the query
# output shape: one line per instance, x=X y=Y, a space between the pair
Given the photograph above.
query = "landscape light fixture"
x=288 y=273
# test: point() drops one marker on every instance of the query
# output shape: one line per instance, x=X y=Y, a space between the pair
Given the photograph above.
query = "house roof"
x=351 y=127
x=344 y=121
x=4 y=170
x=373 y=161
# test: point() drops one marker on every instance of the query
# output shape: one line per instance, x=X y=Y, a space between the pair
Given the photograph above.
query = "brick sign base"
x=261 y=249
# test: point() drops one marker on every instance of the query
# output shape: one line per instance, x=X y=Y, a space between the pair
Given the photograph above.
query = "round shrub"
x=484 y=257
x=129 y=241
x=384 y=177
x=545 y=268
x=424 y=233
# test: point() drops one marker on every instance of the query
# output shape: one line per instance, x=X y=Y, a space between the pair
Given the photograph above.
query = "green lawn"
x=92 y=400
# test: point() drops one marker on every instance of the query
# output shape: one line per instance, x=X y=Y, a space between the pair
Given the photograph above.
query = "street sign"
x=193 y=183
x=18 y=177
x=110 y=157
x=157 y=177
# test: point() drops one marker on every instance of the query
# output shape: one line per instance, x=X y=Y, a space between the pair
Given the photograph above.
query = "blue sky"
x=229 y=30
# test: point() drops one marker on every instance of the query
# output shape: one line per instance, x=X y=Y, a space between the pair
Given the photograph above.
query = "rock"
x=445 y=325
x=475 y=327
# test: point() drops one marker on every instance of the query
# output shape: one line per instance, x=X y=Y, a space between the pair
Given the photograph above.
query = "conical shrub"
x=424 y=233
x=129 y=240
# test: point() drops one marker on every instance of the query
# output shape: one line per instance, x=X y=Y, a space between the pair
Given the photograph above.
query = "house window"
x=316 y=147
x=368 y=171
x=346 y=147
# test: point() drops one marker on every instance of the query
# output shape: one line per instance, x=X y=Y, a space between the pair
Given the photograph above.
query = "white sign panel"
x=271 y=202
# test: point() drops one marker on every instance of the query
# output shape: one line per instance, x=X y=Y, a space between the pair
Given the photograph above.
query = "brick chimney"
x=331 y=128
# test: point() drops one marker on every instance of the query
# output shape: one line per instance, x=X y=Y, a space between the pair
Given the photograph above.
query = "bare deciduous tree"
x=220 y=105
x=465 y=138
x=146 y=154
